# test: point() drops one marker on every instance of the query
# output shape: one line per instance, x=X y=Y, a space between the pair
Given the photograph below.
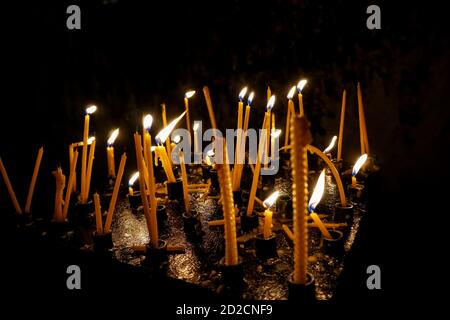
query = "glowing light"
x=196 y=125
x=133 y=178
x=275 y=134
x=291 y=92
x=189 y=94
x=318 y=192
x=268 y=203
x=331 y=145
x=162 y=136
x=250 y=98
x=242 y=93
x=113 y=137
x=147 y=122
x=177 y=139
x=301 y=84
x=90 y=140
x=359 y=163
x=270 y=103
x=91 y=109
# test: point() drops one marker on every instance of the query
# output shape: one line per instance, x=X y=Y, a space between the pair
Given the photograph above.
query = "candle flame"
x=152 y=148
x=301 y=84
x=91 y=109
x=210 y=153
x=177 y=139
x=268 y=203
x=133 y=178
x=113 y=137
x=276 y=133
x=242 y=93
x=317 y=193
x=162 y=136
x=331 y=145
x=189 y=94
x=359 y=163
x=291 y=92
x=147 y=121
x=90 y=140
x=196 y=125
x=270 y=103
x=250 y=98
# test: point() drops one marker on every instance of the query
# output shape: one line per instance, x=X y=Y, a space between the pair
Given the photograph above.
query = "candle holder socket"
x=343 y=213
x=232 y=275
x=58 y=229
x=105 y=199
x=83 y=214
x=338 y=164
x=268 y=180
x=302 y=293
x=156 y=258
x=102 y=242
x=356 y=193
x=284 y=206
x=205 y=172
x=214 y=179
x=266 y=248
x=175 y=190
x=249 y=223
x=135 y=200
x=334 y=246
x=237 y=197
x=192 y=225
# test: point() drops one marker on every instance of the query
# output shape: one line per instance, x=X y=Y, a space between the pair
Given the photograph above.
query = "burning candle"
x=300 y=138
x=261 y=147
x=196 y=140
x=98 y=214
x=359 y=163
x=314 y=201
x=112 y=202
x=89 y=167
x=69 y=184
x=59 y=193
x=90 y=110
x=289 y=113
x=268 y=203
x=110 y=154
x=341 y=126
x=209 y=105
x=184 y=182
x=274 y=137
x=269 y=93
x=33 y=180
x=131 y=183
x=362 y=123
x=224 y=176
x=187 y=96
x=330 y=147
x=11 y=192
x=300 y=85
x=160 y=138
x=239 y=134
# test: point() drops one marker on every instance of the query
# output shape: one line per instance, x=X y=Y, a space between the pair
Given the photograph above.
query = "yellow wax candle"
x=11 y=192
x=224 y=176
x=184 y=180
x=89 y=167
x=188 y=95
x=98 y=214
x=261 y=147
x=267 y=233
x=289 y=112
x=110 y=153
x=314 y=201
x=269 y=93
x=300 y=138
x=71 y=148
x=140 y=162
x=267 y=141
x=341 y=126
x=166 y=164
x=196 y=141
x=238 y=136
x=241 y=160
x=112 y=202
x=320 y=225
x=131 y=182
x=59 y=193
x=209 y=105
x=362 y=122
x=164 y=119
x=33 y=180
x=274 y=137
x=69 y=184
x=90 y=110
x=301 y=84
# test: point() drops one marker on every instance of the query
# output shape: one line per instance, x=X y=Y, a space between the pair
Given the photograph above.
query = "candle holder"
x=232 y=276
x=302 y=293
x=156 y=258
x=266 y=248
x=58 y=229
x=135 y=200
x=160 y=174
x=206 y=172
x=214 y=179
x=356 y=193
x=343 y=213
x=284 y=206
x=338 y=164
x=237 y=197
x=335 y=246
x=249 y=223
x=175 y=190
x=105 y=199
x=102 y=242
x=268 y=180
x=245 y=196
x=83 y=214
x=192 y=225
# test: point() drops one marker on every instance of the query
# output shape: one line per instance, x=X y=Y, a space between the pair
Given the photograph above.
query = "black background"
x=131 y=56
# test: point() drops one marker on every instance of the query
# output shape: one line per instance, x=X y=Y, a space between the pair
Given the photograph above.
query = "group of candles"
x=297 y=138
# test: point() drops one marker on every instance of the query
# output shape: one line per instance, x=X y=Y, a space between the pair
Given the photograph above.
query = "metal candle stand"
x=284 y=206
x=334 y=246
x=192 y=225
x=102 y=242
x=232 y=276
x=248 y=223
x=82 y=214
x=302 y=293
x=266 y=248
x=175 y=190
x=344 y=214
x=205 y=172
x=135 y=200
x=356 y=193
x=156 y=258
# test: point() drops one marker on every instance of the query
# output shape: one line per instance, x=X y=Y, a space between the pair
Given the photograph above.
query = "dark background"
x=129 y=57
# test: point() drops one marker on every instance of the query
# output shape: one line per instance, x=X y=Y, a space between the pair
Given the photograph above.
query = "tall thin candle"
x=33 y=180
